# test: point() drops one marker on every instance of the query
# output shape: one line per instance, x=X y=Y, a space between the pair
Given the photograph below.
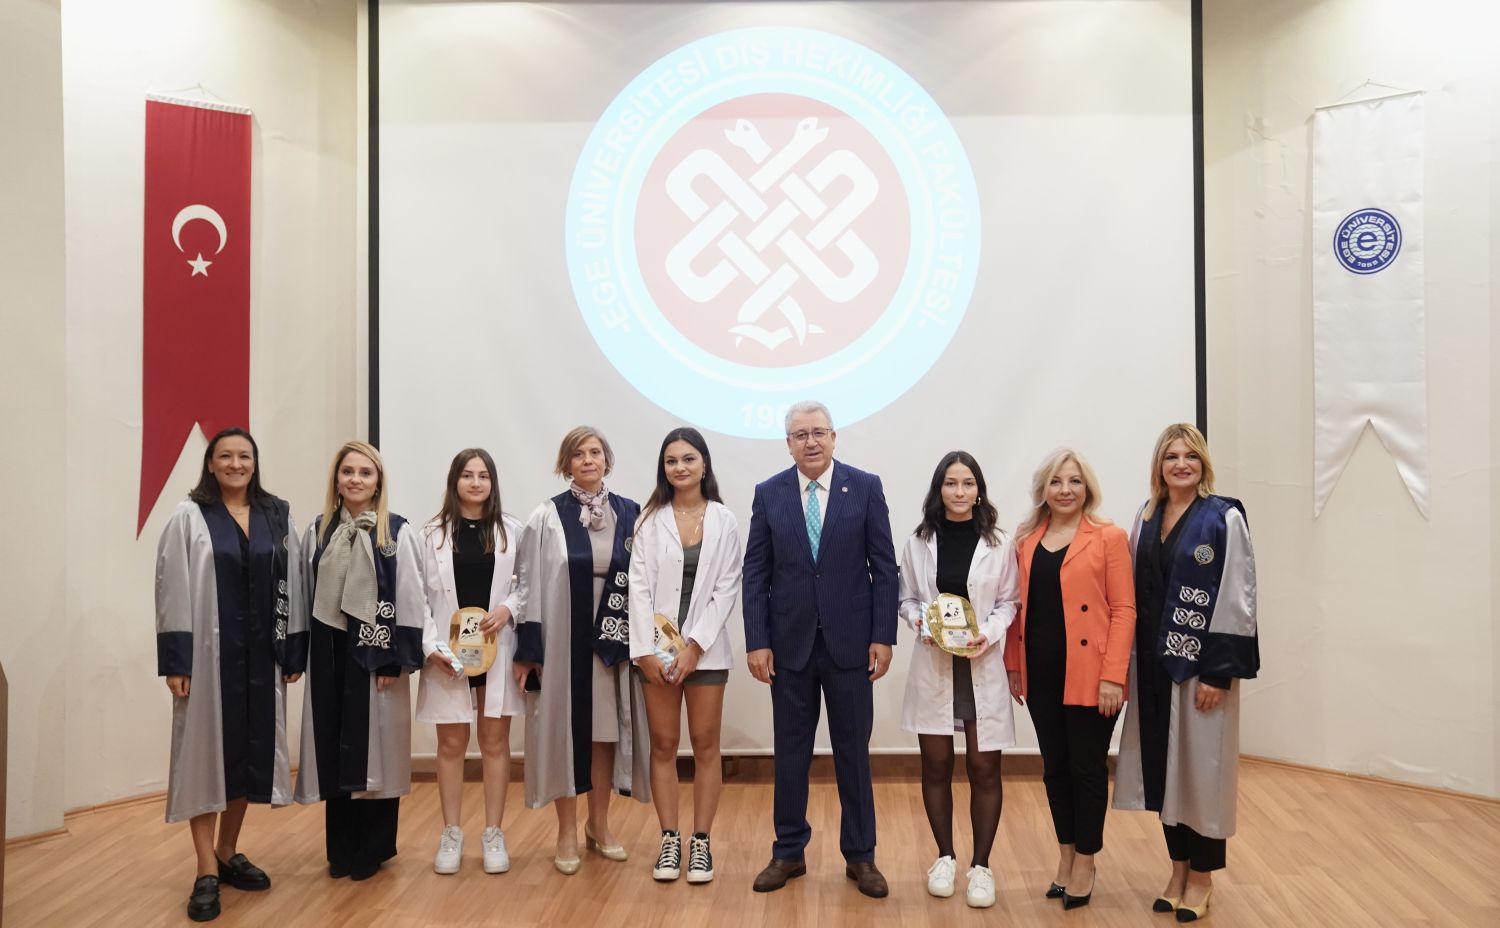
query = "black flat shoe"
x=1055 y=891
x=338 y=871
x=363 y=871
x=203 y=904
x=240 y=873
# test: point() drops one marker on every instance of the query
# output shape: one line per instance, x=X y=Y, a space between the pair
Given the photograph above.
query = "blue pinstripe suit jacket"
x=850 y=588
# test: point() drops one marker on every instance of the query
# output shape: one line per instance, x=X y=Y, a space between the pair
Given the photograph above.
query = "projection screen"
x=959 y=224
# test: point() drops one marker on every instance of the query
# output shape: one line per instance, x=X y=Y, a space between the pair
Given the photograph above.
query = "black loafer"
x=203 y=904
x=363 y=871
x=240 y=873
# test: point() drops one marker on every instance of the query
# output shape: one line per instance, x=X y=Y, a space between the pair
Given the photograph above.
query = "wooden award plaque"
x=472 y=647
x=953 y=625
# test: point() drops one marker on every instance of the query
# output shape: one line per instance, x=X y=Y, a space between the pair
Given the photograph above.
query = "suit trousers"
x=851 y=717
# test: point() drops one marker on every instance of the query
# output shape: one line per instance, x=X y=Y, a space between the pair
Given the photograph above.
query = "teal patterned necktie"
x=814 y=518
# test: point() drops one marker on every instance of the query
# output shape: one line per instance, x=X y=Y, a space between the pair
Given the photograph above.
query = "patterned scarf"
x=346 y=581
x=591 y=515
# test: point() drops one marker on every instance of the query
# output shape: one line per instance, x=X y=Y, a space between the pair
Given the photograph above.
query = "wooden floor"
x=1313 y=849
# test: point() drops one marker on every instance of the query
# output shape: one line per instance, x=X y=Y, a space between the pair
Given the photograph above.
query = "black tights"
x=986 y=795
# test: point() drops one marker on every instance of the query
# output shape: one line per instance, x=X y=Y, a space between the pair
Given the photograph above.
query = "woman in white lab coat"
x=957 y=549
x=469 y=560
x=684 y=581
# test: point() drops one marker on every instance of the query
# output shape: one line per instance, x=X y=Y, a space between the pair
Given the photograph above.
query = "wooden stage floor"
x=1313 y=849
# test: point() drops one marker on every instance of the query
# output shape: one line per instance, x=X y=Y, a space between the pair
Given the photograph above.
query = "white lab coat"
x=656 y=583
x=994 y=591
x=440 y=697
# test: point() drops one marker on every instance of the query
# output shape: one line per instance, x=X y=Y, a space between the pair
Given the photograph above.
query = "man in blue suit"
x=820 y=617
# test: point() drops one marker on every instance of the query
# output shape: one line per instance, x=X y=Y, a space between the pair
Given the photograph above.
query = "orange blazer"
x=1098 y=594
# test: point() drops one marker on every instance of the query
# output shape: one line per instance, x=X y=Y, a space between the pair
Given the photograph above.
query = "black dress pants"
x=1075 y=749
x=1203 y=855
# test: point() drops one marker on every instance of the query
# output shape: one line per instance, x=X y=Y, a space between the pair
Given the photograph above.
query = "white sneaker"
x=981 y=893
x=450 y=850
x=669 y=861
x=496 y=857
x=940 y=877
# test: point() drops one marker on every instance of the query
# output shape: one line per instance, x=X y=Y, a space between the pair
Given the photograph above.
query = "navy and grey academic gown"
x=356 y=738
x=235 y=626
x=1207 y=628
x=557 y=626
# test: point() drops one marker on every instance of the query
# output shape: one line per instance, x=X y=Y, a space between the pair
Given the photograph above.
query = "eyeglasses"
x=817 y=435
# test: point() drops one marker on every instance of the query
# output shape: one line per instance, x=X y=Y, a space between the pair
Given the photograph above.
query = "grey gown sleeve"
x=174 y=598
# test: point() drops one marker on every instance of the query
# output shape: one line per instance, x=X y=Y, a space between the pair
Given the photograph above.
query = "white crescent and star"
x=198 y=211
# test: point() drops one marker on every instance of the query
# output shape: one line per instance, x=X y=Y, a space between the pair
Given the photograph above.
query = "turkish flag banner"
x=196 y=299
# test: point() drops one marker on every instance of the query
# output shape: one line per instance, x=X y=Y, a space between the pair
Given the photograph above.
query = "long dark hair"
x=447 y=517
x=985 y=515
x=206 y=493
x=662 y=495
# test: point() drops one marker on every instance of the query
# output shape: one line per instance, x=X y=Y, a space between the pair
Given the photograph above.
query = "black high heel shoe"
x=1071 y=901
x=1056 y=891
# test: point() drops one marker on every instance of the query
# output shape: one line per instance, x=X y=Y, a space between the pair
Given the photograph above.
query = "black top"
x=956 y=543
x=473 y=569
x=1153 y=568
x=1046 y=635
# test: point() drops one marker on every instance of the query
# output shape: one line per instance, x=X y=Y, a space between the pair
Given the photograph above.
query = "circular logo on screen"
x=768 y=215
x=1367 y=241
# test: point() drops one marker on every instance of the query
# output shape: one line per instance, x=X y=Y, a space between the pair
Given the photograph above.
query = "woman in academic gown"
x=585 y=722
x=468 y=560
x=958 y=550
x=1067 y=655
x=364 y=591
x=229 y=638
x=1195 y=635
x=685 y=569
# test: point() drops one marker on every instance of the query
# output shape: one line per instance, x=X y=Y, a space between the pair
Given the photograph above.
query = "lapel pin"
x=844 y=489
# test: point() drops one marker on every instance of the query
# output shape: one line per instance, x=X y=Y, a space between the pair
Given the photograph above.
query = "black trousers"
x=1204 y=855
x=1075 y=751
x=361 y=833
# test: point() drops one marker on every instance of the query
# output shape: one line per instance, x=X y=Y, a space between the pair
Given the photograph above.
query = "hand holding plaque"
x=472 y=648
x=953 y=625
x=667 y=641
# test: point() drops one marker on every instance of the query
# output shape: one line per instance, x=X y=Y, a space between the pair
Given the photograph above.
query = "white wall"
x=293 y=63
x=31 y=408
x=1378 y=628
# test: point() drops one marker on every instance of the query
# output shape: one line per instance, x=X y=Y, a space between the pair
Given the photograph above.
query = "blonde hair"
x=1190 y=436
x=332 y=501
x=573 y=441
x=1050 y=466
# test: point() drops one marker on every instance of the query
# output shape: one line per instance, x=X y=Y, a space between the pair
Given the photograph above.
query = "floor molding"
x=1372 y=779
